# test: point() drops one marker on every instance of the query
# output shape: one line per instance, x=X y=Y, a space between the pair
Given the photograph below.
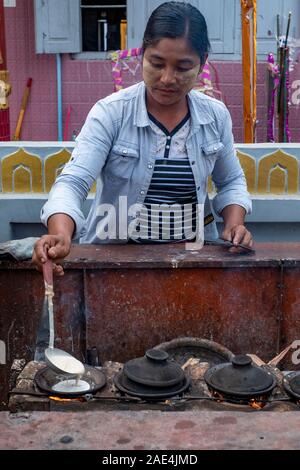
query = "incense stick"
x=278 y=39
x=288 y=29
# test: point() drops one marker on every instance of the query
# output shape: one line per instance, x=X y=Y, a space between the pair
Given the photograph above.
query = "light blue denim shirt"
x=116 y=147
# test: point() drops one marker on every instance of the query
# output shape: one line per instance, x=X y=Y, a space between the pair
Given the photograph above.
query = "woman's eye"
x=180 y=69
x=157 y=66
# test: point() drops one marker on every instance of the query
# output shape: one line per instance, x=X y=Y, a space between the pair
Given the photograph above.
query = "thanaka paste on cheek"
x=149 y=76
x=190 y=76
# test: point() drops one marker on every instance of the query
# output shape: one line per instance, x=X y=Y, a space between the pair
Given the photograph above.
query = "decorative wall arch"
x=248 y=164
x=278 y=180
x=210 y=186
x=22 y=173
x=54 y=165
x=278 y=173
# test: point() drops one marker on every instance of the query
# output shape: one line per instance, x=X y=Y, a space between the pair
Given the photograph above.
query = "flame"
x=256 y=405
x=80 y=399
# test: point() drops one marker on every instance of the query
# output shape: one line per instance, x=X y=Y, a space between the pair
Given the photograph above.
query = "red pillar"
x=4 y=85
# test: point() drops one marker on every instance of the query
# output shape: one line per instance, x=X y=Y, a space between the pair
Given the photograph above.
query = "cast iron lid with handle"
x=153 y=376
x=240 y=378
x=155 y=369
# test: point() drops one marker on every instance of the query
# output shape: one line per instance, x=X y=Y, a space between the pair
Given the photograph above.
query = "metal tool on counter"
x=58 y=360
x=228 y=243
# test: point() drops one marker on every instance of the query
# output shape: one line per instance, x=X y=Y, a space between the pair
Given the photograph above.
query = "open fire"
x=67 y=400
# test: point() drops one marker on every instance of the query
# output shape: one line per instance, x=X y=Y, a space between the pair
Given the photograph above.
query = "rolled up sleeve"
x=64 y=199
x=228 y=175
x=72 y=186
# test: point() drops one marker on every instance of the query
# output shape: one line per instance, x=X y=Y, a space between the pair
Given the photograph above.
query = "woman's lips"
x=165 y=91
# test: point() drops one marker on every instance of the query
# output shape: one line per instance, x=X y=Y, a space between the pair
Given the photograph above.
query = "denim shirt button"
x=150 y=166
x=142 y=193
x=124 y=152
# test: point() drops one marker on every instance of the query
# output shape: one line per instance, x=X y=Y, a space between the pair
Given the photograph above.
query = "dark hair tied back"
x=177 y=20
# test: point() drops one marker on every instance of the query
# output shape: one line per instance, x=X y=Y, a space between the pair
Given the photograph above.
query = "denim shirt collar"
x=141 y=118
x=200 y=113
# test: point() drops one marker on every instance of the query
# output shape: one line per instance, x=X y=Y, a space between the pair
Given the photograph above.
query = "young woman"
x=151 y=148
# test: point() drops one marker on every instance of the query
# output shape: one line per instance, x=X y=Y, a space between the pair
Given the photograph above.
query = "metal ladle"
x=58 y=360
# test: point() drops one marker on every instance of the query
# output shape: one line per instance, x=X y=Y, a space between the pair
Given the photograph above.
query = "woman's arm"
x=62 y=213
x=232 y=201
x=72 y=186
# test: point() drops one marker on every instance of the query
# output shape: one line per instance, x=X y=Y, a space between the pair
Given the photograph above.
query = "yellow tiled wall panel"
x=275 y=172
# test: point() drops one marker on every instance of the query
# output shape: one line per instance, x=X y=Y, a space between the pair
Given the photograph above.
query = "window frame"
x=95 y=55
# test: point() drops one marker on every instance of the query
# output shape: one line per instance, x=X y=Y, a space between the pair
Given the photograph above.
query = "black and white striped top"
x=169 y=213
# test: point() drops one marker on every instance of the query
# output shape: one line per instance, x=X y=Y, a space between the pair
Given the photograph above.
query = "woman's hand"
x=234 y=228
x=55 y=247
x=238 y=234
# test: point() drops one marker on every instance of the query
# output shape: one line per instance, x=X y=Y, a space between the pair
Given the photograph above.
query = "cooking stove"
x=111 y=384
x=197 y=417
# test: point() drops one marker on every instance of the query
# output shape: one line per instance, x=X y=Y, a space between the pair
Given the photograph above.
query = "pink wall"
x=84 y=82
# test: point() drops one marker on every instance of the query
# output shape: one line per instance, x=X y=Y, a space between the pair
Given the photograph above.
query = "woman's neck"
x=169 y=115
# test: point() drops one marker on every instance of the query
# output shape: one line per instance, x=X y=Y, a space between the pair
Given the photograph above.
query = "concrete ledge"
x=150 y=430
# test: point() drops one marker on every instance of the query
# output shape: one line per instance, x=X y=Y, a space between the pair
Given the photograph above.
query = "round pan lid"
x=154 y=369
x=240 y=378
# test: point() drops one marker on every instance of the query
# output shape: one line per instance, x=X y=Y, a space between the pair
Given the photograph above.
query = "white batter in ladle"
x=58 y=360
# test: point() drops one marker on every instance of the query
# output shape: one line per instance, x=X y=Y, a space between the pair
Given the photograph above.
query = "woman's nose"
x=168 y=76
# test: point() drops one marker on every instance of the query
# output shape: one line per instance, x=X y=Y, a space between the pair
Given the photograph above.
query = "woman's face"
x=170 y=70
